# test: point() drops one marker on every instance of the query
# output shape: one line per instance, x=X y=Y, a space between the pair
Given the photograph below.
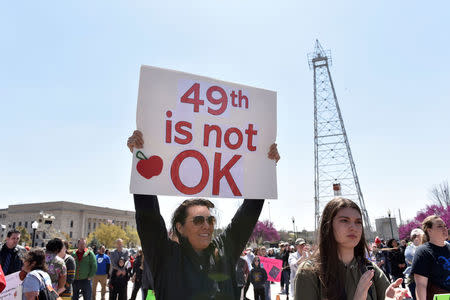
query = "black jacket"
x=178 y=271
x=15 y=263
x=258 y=277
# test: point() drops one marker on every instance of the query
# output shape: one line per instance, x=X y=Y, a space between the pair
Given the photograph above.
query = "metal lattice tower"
x=335 y=172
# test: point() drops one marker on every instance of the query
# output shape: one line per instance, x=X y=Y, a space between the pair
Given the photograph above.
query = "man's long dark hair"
x=326 y=260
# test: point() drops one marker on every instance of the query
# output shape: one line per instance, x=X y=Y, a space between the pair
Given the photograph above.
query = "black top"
x=433 y=262
x=178 y=271
x=258 y=277
x=396 y=257
x=15 y=259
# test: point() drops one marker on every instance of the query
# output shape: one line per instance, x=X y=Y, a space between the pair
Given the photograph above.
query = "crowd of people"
x=75 y=273
x=190 y=262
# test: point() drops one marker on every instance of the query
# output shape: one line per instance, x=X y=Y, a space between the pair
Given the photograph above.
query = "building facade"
x=386 y=228
x=63 y=219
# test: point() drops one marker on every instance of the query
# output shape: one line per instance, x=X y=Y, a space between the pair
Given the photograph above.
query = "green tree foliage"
x=24 y=235
x=107 y=234
x=132 y=238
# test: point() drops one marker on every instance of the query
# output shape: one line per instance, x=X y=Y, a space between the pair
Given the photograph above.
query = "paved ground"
x=274 y=291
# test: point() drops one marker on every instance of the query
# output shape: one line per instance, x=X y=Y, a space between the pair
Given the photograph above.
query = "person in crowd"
x=56 y=266
x=397 y=259
x=11 y=253
x=431 y=266
x=263 y=253
x=296 y=258
x=249 y=257
x=85 y=269
x=403 y=245
x=70 y=267
x=380 y=256
x=286 y=269
x=101 y=276
x=119 y=252
x=271 y=253
x=37 y=277
x=279 y=256
x=416 y=240
x=258 y=278
x=242 y=272
x=198 y=265
x=119 y=281
x=136 y=273
x=339 y=269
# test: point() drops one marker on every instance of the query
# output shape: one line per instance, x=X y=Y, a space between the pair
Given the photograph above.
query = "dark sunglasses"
x=199 y=220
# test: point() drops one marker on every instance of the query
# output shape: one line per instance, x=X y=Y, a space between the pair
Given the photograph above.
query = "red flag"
x=273 y=268
x=2 y=280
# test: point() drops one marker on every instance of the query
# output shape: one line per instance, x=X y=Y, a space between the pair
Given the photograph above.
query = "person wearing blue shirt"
x=103 y=265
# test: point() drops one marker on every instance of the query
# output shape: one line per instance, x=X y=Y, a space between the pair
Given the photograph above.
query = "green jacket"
x=308 y=287
x=87 y=267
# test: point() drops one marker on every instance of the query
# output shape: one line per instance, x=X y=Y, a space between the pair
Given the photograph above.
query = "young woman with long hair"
x=339 y=269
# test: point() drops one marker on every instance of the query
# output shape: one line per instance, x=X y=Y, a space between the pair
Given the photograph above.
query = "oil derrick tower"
x=335 y=172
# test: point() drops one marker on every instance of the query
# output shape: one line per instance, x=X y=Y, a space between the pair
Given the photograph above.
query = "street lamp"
x=390 y=223
x=34 y=225
x=293 y=227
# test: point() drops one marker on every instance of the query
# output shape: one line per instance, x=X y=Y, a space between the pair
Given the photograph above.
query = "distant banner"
x=273 y=268
x=13 y=290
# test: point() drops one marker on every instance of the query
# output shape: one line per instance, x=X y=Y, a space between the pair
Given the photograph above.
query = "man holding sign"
x=207 y=138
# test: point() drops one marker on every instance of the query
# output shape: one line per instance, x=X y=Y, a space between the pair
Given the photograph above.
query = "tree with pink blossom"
x=443 y=212
x=264 y=231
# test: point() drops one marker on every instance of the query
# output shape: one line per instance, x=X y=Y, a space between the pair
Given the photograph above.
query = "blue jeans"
x=85 y=285
x=267 y=290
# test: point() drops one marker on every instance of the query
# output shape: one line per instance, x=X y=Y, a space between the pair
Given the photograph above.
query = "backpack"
x=47 y=293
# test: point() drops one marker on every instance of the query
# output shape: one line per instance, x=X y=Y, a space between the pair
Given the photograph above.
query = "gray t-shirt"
x=33 y=282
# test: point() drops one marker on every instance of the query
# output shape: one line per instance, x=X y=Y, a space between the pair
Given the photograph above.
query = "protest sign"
x=13 y=290
x=273 y=268
x=203 y=137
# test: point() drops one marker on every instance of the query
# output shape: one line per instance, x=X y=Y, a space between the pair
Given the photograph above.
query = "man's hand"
x=273 y=153
x=136 y=140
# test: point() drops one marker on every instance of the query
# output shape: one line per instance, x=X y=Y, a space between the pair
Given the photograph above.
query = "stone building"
x=386 y=228
x=62 y=218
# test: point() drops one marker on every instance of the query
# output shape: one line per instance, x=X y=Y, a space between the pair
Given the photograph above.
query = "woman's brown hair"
x=427 y=223
x=37 y=256
x=326 y=259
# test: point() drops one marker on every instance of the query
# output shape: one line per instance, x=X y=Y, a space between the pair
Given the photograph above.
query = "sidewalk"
x=274 y=291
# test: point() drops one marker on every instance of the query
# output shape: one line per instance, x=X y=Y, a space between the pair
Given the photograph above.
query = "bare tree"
x=440 y=194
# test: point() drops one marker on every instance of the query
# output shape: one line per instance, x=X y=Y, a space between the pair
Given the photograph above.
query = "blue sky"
x=69 y=78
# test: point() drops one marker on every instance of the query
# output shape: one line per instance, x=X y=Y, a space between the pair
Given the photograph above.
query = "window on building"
x=42 y=245
x=89 y=225
x=71 y=224
x=43 y=235
x=20 y=223
x=95 y=225
x=14 y=224
x=70 y=234
x=26 y=224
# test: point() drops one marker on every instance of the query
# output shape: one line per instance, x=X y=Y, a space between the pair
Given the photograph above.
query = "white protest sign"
x=13 y=289
x=203 y=137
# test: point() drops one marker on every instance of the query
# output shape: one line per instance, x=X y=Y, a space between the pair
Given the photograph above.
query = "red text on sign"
x=209 y=129
x=216 y=95
x=218 y=173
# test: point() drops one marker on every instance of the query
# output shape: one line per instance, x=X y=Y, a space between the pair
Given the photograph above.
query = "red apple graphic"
x=149 y=167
